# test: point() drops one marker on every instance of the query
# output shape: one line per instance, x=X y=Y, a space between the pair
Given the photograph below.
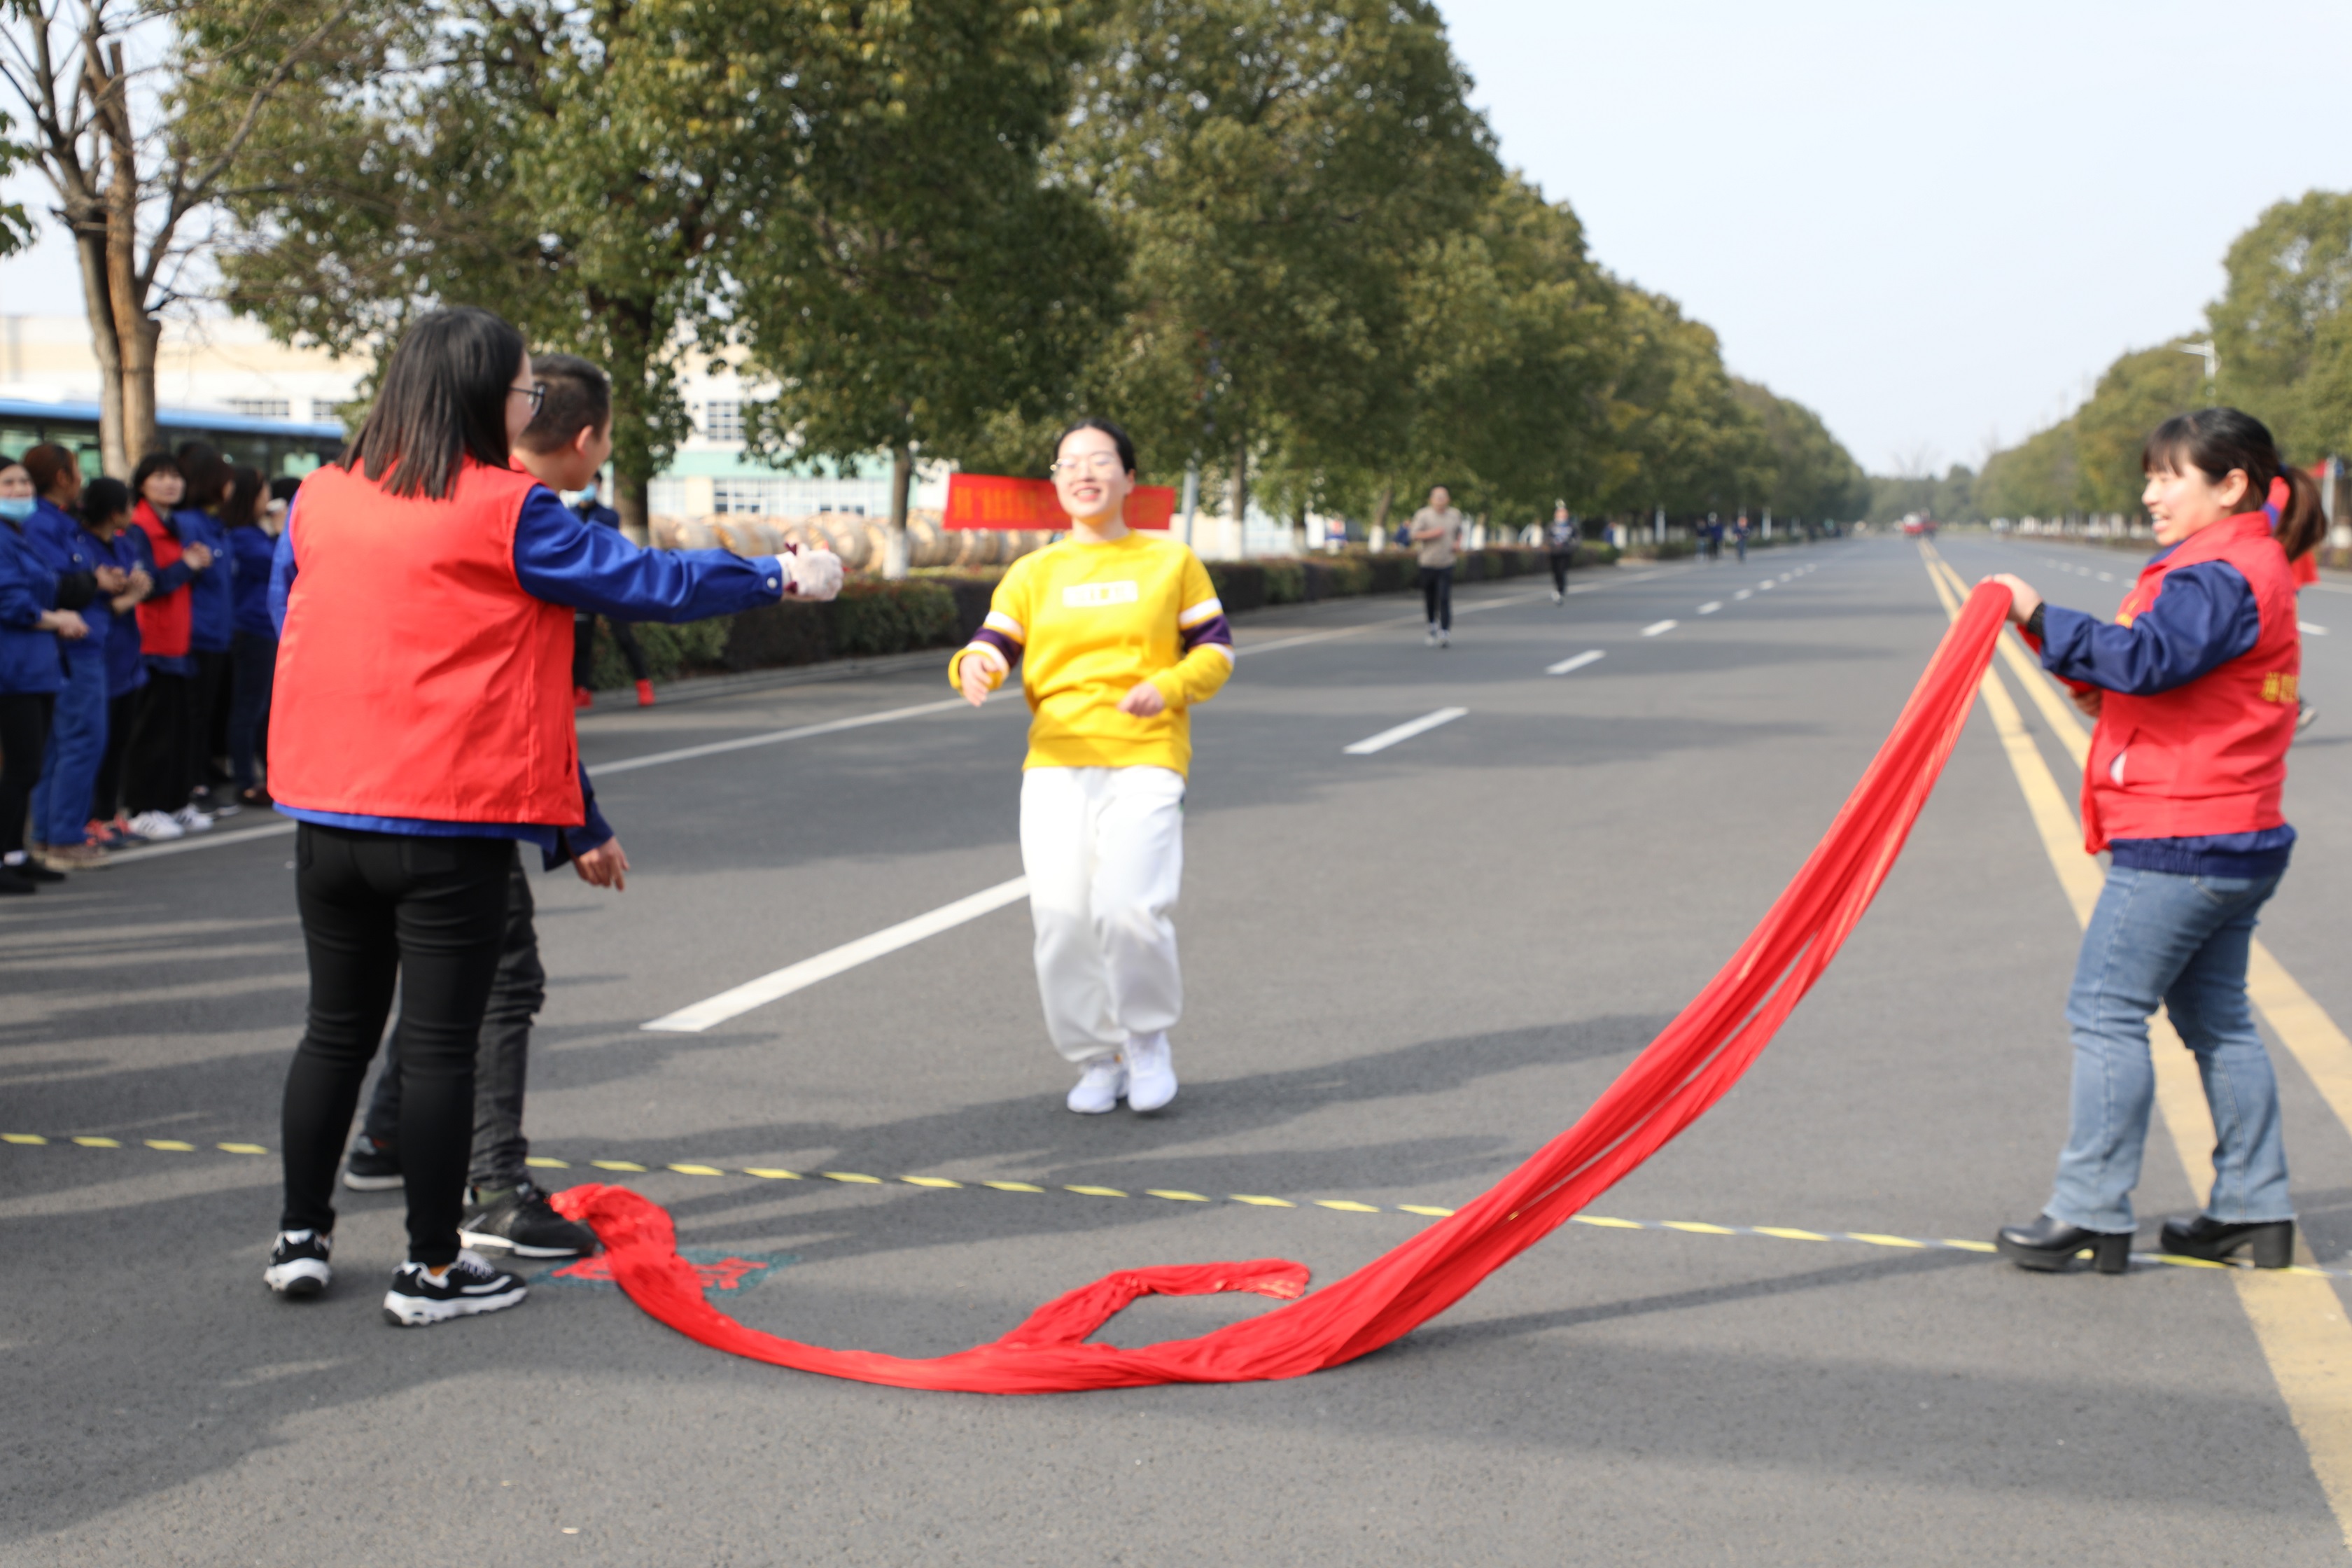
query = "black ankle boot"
x=2213 y=1240
x=2049 y=1245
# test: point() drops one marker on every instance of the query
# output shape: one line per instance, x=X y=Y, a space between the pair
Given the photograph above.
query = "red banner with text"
x=993 y=500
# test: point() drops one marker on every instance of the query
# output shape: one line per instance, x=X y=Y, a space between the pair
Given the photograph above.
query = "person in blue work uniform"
x=212 y=630
x=2194 y=688
x=78 y=732
x=106 y=515
x=420 y=727
x=32 y=625
x=253 y=641
x=564 y=444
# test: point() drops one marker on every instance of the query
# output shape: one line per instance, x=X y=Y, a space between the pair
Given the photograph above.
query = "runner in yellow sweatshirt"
x=1118 y=634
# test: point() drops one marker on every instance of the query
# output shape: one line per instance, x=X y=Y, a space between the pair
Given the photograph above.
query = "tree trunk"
x=902 y=479
x=630 y=492
x=90 y=245
x=1237 y=502
x=135 y=331
x=1381 y=510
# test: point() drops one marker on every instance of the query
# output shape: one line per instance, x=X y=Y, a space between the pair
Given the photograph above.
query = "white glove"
x=816 y=574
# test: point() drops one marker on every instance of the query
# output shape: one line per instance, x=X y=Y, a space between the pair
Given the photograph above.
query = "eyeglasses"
x=1092 y=463
x=536 y=391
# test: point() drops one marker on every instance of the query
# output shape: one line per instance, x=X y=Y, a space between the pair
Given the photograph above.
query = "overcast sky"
x=1933 y=222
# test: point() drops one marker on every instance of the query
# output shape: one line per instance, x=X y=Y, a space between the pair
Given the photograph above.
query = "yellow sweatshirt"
x=1087 y=622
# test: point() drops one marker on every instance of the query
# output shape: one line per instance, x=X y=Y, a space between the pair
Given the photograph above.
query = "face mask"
x=578 y=497
x=16 y=509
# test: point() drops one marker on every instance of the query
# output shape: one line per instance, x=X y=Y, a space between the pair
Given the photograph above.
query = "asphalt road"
x=1405 y=970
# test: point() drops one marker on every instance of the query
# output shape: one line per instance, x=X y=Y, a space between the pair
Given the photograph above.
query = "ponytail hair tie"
x=2275 y=507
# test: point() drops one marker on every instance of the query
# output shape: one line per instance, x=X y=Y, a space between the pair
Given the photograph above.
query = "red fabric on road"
x=1689 y=1067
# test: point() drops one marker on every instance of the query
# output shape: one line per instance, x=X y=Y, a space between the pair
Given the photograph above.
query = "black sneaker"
x=468 y=1287
x=298 y=1264
x=371 y=1167
x=520 y=1220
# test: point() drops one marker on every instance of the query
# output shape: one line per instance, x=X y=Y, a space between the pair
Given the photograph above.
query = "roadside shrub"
x=873 y=616
x=668 y=650
x=1241 y=585
x=1286 y=582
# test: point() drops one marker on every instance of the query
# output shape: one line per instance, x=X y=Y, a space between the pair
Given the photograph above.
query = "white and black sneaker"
x=419 y=1298
x=298 y=1264
x=520 y=1220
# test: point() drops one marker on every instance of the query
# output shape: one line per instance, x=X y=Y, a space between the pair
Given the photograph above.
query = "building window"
x=722 y=419
x=263 y=407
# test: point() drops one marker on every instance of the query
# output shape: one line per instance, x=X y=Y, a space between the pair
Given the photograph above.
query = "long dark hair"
x=444 y=404
x=2217 y=440
x=241 y=506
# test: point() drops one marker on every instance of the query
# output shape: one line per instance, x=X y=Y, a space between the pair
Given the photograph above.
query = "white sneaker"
x=1150 y=1072
x=1099 y=1088
x=157 y=826
x=419 y=1299
x=191 y=820
x=1445 y=639
x=298 y=1264
x=1433 y=636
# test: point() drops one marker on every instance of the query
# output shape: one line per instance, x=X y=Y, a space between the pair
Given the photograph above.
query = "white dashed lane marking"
x=1656 y=627
x=1388 y=738
x=1589 y=655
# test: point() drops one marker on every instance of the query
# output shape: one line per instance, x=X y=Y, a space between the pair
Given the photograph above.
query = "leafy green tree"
x=2279 y=324
x=577 y=168
x=135 y=154
x=1274 y=168
x=913 y=281
x=1811 y=474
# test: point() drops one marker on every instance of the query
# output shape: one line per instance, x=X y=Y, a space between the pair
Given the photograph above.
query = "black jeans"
x=1437 y=596
x=207 y=715
x=1559 y=564
x=106 y=795
x=583 y=648
x=23 y=741
x=499 y=1148
x=253 y=662
x=428 y=914
x=156 y=768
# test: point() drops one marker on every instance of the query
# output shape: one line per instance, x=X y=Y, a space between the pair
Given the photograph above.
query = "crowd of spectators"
x=136 y=654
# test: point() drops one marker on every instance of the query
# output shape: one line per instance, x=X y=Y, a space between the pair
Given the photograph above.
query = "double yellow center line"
x=2297 y=1316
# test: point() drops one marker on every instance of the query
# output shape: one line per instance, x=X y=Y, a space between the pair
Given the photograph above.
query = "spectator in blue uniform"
x=253 y=645
x=592 y=510
x=213 y=630
x=106 y=515
x=32 y=669
x=87 y=571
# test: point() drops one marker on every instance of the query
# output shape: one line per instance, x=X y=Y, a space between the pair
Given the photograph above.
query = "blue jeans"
x=77 y=746
x=2157 y=937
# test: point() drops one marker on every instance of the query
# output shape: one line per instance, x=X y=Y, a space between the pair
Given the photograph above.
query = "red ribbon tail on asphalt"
x=1692 y=1064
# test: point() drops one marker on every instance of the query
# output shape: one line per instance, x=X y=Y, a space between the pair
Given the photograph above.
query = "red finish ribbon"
x=1689 y=1067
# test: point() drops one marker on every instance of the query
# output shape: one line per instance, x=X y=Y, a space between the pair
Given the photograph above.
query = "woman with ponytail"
x=2193 y=687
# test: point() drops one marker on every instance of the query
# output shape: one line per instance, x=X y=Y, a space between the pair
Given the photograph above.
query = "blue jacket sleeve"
x=178 y=574
x=2204 y=617
x=561 y=559
x=281 y=576
x=593 y=834
x=20 y=604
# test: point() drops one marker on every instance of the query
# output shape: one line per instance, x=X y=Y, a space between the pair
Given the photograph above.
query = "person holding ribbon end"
x=2193 y=687
x=1119 y=634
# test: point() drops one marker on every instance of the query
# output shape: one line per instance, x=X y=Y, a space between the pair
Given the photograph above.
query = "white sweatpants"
x=1104 y=848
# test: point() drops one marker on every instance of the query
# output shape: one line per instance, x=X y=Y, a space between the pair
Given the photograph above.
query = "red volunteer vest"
x=2210 y=756
x=164 y=623
x=416 y=676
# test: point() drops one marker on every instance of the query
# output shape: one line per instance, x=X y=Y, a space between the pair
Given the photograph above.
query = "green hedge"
x=941 y=608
